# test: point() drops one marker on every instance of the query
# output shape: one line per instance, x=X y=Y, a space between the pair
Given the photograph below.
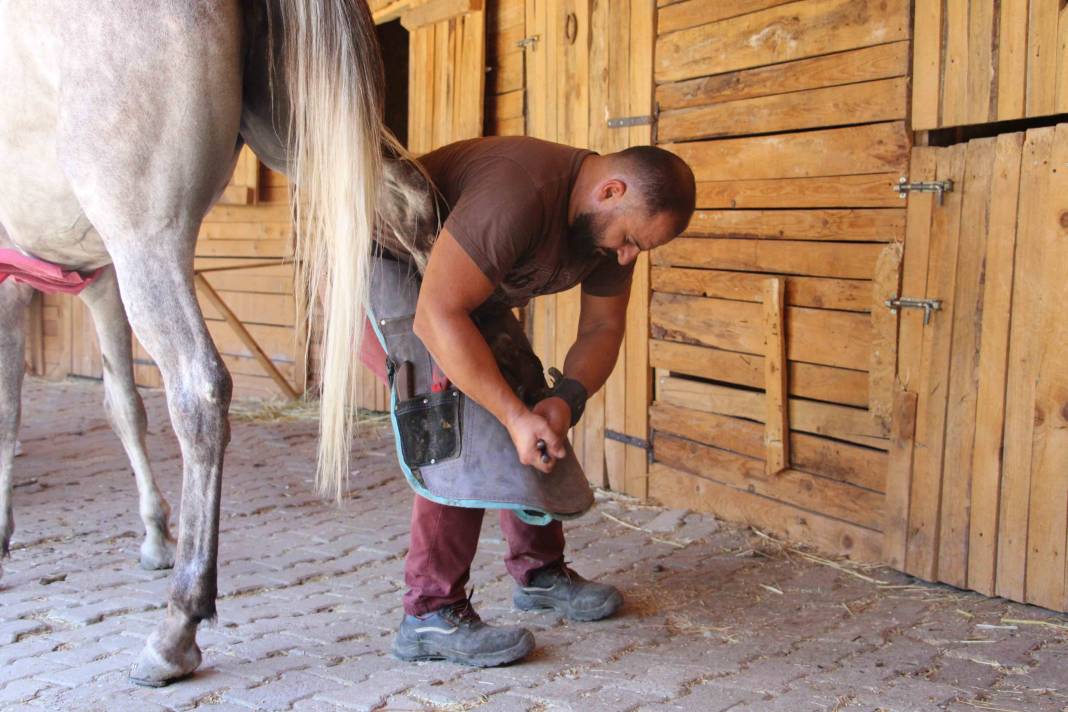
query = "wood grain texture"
x=1042 y=26
x=1012 y=59
x=780 y=34
x=861 y=65
x=836 y=225
x=675 y=488
x=847 y=260
x=1024 y=345
x=998 y=271
x=862 y=191
x=776 y=392
x=816 y=292
x=804 y=380
x=899 y=479
x=927 y=65
x=865 y=102
x=681 y=15
x=834 y=421
x=875 y=148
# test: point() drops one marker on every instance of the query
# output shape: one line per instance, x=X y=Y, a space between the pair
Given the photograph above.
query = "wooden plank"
x=805 y=380
x=863 y=191
x=1012 y=59
x=964 y=369
x=780 y=34
x=817 y=292
x=883 y=367
x=249 y=214
x=1062 y=61
x=955 y=68
x=1047 y=526
x=845 y=260
x=682 y=15
x=246 y=338
x=899 y=479
x=246 y=231
x=875 y=148
x=817 y=336
x=993 y=355
x=1028 y=294
x=838 y=225
x=834 y=421
x=866 y=102
x=927 y=65
x=254 y=308
x=639 y=86
x=852 y=464
x=469 y=75
x=1041 y=98
x=776 y=391
x=829 y=497
x=674 y=488
x=861 y=65
x=926 y=498
x=434 y=11
x=505 y=106
x=981 y=102
x=244 y=248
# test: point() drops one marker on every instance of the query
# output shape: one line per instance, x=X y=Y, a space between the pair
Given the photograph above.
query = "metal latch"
x=531 y=42
x=928 y=306
x=904 y=187
x=627 y=121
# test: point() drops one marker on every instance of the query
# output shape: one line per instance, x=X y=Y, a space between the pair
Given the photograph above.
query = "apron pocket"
x=429 y=428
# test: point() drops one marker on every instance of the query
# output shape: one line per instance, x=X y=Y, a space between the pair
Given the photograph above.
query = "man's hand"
x=527 y=429
x=557 y=412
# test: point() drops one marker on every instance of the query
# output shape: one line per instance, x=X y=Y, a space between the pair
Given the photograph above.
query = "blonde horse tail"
x=333 y=74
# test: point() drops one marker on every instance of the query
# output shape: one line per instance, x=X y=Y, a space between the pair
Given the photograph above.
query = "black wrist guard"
x=571 y=392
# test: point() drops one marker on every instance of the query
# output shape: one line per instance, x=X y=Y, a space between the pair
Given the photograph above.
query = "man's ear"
x=613 y=188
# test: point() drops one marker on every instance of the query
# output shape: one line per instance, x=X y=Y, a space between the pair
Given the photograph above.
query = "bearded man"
x=477 y=424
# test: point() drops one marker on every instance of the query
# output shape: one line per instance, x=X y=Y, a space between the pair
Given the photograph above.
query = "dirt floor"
x=717 y=617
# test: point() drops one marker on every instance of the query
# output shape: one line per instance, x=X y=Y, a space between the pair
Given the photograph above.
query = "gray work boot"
x=457 y=634
x=559 y=588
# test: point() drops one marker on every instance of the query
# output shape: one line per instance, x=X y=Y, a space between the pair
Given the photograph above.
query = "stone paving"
x=716 y=617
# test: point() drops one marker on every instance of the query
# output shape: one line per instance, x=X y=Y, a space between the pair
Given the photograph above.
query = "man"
x=523 y=217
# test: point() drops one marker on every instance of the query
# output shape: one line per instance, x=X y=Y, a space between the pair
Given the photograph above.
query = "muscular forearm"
x=463 y=354
x=593 y=356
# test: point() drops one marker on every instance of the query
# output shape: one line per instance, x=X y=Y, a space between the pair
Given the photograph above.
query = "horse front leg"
x=126 y=412
x=165 y=315
x=13 y=301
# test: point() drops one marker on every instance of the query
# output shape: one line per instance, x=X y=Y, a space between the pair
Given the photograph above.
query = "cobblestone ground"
x=716 y=618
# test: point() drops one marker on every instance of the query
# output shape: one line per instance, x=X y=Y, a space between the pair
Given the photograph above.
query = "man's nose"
x=626 y=254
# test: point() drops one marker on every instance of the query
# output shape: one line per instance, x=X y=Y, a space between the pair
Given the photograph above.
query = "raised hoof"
x=154 y=668
x=156 y=555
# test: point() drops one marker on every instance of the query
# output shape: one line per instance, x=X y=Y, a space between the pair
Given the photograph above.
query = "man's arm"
x=590 y=360
x=453 y=286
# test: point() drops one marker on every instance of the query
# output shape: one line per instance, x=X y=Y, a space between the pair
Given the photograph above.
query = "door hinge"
x=904 y=187
x=627 y=121
x=631 y=440
x=928 y=306
x=531 y=42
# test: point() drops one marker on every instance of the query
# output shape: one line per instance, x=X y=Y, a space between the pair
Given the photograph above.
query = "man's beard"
x=586 y=235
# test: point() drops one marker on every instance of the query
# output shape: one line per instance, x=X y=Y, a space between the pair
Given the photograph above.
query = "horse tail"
x=334 y=78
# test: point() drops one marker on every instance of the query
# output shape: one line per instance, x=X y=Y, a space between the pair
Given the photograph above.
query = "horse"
x=120 y=124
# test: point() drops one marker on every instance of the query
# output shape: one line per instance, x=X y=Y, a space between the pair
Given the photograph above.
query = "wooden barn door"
x=977 y=490
x=588 y=63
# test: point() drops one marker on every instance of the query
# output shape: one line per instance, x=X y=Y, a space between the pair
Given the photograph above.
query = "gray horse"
x=120 y=123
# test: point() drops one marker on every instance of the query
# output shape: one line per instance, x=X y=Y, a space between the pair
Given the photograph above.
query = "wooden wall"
x=984 y=61
x=793 y=118
x=251 y=224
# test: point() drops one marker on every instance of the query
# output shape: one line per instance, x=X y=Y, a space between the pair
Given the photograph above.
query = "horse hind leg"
x=126 y=411
x=14 y=299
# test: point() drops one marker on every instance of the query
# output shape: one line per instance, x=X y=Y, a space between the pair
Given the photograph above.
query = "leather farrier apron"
x=452 y=450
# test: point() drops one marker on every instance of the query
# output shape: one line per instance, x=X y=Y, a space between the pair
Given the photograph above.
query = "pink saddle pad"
x=42 y=275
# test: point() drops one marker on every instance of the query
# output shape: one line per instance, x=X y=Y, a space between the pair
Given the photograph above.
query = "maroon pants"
x=443 y=545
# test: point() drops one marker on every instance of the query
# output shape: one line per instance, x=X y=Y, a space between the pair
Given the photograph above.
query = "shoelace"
x=462 y=611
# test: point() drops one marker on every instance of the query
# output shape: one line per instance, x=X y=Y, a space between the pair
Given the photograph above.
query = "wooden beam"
x=242 y=333
x=435 y=11
x=777 y=422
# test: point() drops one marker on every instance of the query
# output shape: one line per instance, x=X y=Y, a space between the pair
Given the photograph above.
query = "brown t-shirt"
x=506 y=201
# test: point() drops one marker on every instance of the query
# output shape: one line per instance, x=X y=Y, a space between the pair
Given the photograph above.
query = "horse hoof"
x=157 y=667
x=156 y=555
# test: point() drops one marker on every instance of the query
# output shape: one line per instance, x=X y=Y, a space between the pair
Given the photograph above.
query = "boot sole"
x=416 y=651
x=534 y=602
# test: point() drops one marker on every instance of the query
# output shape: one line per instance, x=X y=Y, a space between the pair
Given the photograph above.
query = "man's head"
x=628 y=202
